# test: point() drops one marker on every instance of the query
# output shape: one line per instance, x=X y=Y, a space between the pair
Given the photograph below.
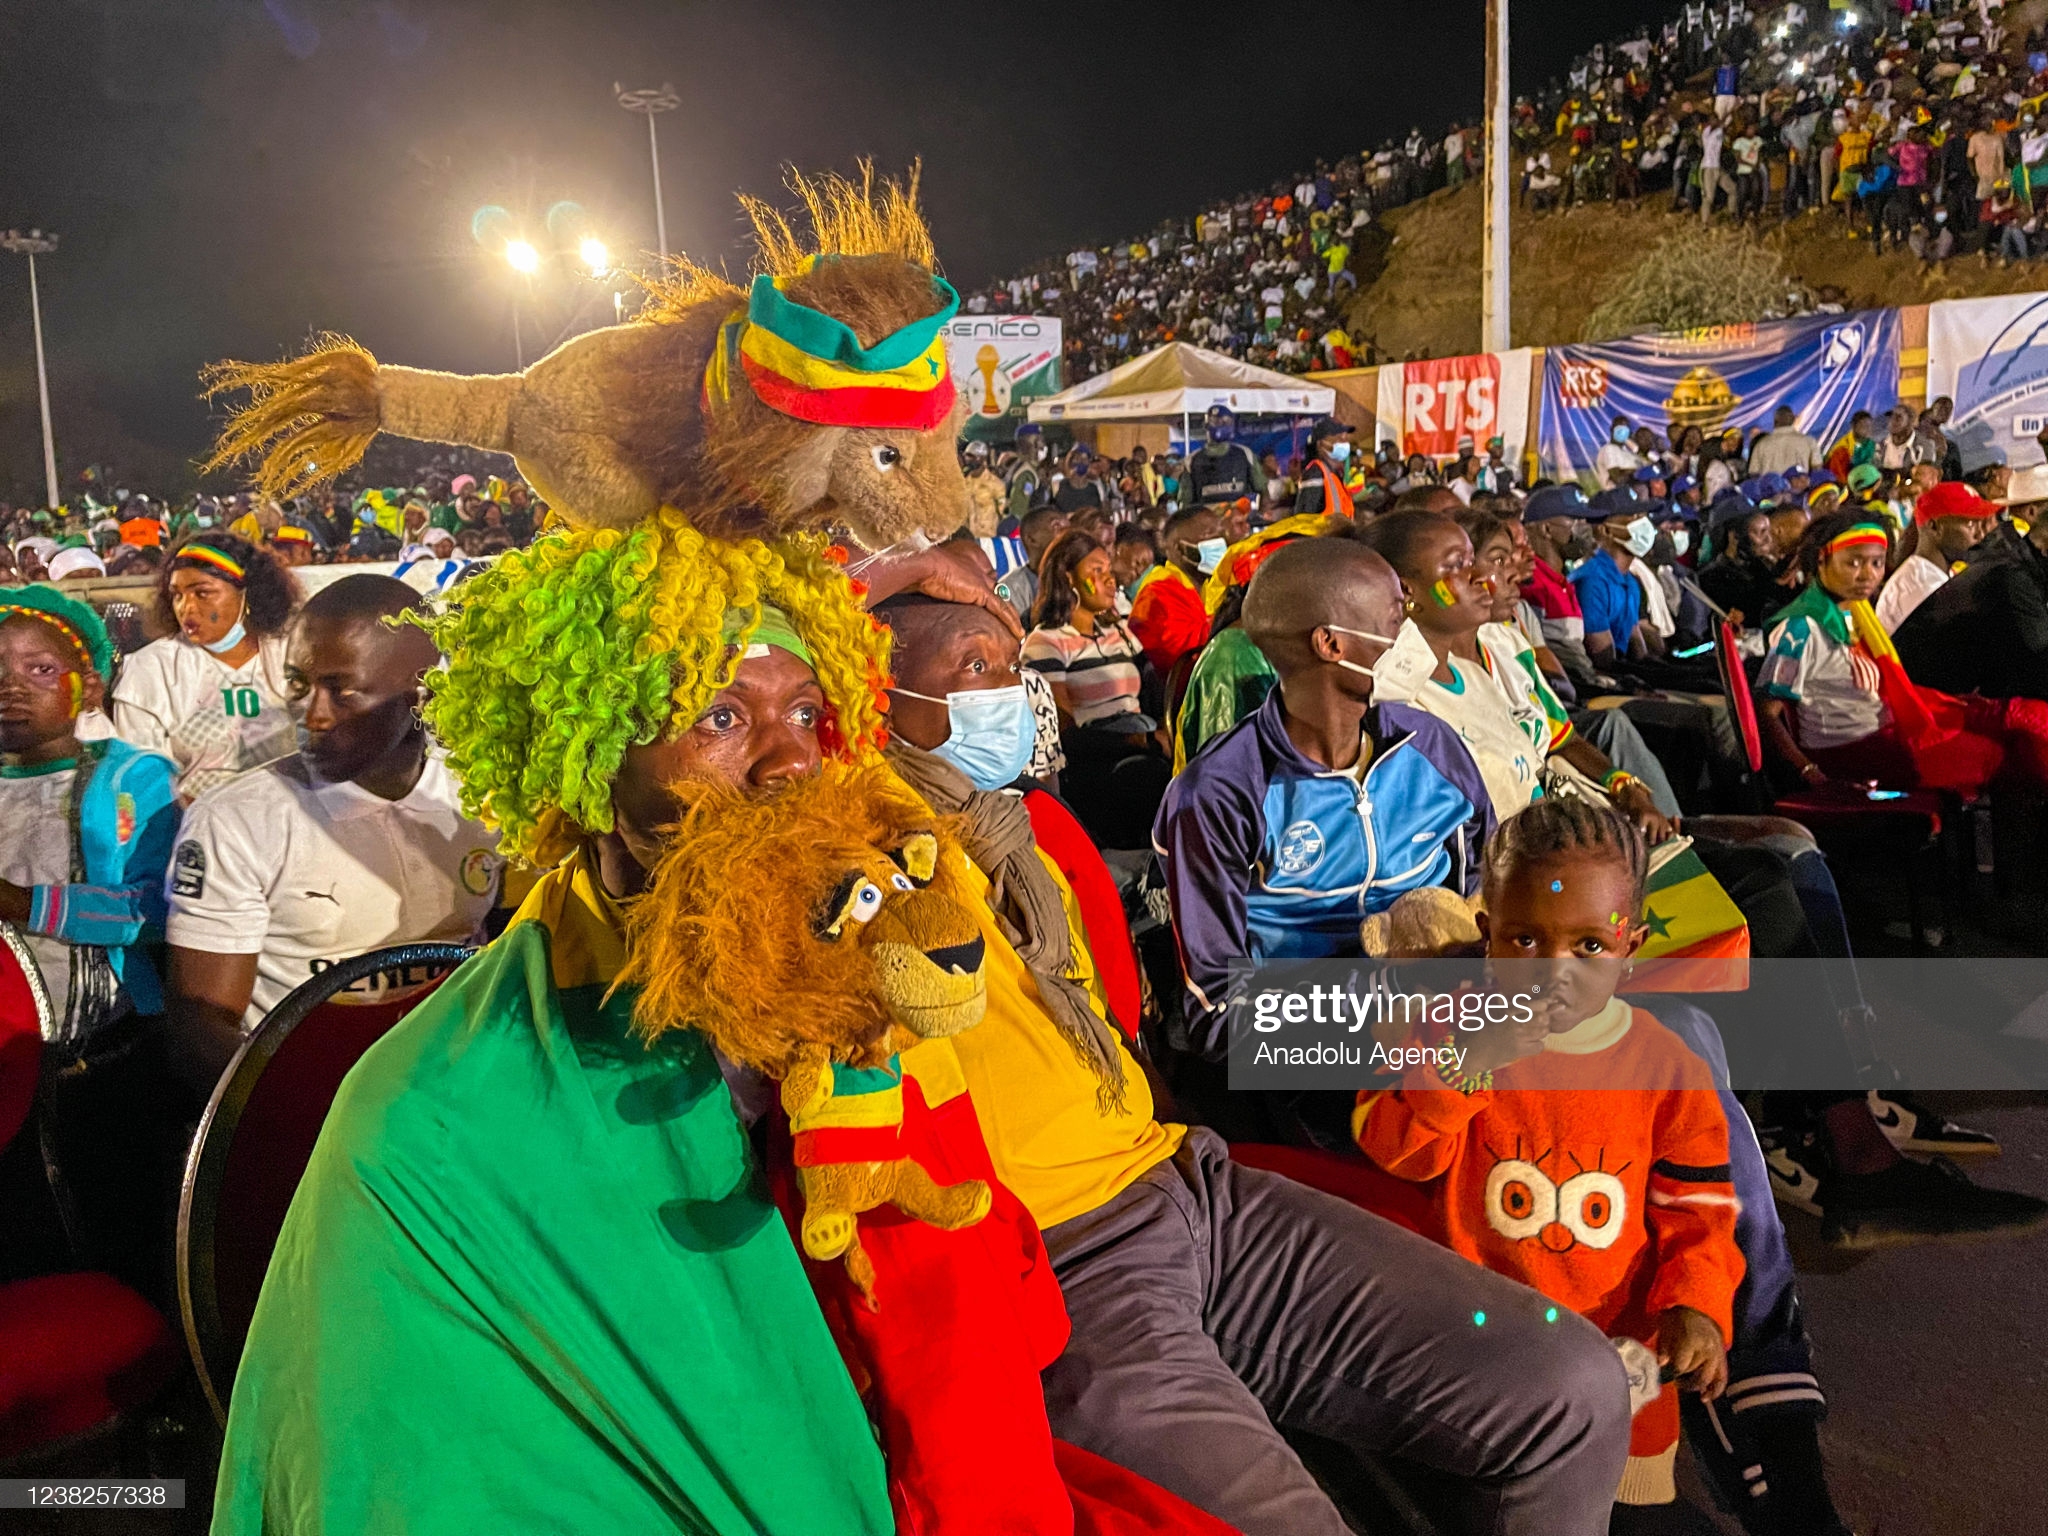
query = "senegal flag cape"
x=532 y=1281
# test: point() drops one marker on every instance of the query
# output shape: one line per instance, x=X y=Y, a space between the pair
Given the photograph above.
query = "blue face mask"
x=1621 y=434
x=1209 y=554
x=991 y=733
x=234 y=637
x=1222 y=429
x=1340 y=452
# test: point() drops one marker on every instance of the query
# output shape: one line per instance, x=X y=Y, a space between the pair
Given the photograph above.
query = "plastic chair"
x=255 y=1139
x=80 y=1354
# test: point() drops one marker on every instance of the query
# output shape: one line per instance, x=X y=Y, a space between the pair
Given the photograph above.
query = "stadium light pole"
x=36 y=243
x=649 y=103
x=1493 y=297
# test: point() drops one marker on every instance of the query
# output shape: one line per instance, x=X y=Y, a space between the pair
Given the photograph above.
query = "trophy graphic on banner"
x=995 y=384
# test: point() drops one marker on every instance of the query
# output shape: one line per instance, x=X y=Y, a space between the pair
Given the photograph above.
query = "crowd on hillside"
x=1906 y=119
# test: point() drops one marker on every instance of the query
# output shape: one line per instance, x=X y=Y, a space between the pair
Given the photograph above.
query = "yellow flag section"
x=1698 y=940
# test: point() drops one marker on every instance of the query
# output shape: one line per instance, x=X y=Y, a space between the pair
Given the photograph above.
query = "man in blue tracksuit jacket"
x=1285 y=832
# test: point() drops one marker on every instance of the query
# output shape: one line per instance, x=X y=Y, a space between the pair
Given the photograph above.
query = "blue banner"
x=1826 y=367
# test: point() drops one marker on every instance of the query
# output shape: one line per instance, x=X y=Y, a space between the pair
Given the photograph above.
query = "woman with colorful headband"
x=523 y=1226
x=211 y=693
x=85 y=827
x=1837 y=703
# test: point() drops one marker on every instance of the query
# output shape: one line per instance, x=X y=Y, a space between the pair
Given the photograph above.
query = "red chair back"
x=24 y=1014
x=257 y=1135
x=1741 y=703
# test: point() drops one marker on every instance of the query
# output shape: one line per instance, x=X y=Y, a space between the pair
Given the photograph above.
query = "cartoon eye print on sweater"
x=1524 y=1204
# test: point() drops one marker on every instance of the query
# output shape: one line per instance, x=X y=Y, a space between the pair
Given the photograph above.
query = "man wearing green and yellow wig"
x=532 y=1279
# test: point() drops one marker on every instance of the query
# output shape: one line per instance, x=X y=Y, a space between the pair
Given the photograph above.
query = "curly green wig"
x=562 y=655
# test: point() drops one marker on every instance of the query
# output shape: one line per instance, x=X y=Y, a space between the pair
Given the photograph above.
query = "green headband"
x=771 y=627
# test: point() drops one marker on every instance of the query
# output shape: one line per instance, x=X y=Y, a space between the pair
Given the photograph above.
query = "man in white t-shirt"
x=1949 y=521
x=1617 y=461
x=356 y=843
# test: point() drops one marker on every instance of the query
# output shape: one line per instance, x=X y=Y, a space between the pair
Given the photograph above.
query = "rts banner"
x=1428 y=407
x=1990 y=356
x=1826 y=367
x=1000 y=364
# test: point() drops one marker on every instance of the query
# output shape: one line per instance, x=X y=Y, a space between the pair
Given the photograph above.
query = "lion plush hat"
x=818 y=396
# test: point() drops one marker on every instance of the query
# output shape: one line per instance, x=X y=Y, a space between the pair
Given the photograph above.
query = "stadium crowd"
x=1173 y=661
x=1915 y=124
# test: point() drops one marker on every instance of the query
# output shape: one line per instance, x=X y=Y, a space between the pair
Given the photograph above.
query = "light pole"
x=38 y=242
x=648 y=103
x=1493 y=295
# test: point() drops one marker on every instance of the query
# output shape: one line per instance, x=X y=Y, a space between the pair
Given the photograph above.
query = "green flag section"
x=532 y=1281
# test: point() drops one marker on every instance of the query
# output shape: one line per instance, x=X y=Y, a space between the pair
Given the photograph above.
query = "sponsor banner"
x=1431 y=406
x=1826 y=367
x=1001 y=363
x=1990 y=356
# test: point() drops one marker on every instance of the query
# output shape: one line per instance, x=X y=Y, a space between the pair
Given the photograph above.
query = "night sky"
x=228 y=175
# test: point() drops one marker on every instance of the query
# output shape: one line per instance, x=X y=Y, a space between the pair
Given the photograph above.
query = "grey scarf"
x=996 y=830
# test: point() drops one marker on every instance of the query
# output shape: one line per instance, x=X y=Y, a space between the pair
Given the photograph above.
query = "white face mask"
x=1403 y=666
x=1681 y=540
x=1642 y=537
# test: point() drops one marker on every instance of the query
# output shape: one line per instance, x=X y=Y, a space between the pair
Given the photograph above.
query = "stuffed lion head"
x=823 y=917
x=818 y=396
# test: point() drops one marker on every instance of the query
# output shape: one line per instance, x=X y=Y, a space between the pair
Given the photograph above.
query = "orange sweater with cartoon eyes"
x=1615 y=1201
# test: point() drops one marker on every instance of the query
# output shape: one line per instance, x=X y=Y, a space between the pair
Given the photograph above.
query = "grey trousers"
x=1211 y=1302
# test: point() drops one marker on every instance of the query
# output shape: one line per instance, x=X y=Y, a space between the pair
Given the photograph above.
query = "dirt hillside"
x=1424 y=300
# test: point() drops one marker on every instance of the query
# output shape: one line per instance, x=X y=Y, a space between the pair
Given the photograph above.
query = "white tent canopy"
x=1182 y=380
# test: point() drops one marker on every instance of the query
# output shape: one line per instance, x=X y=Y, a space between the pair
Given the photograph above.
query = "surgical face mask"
x=1339 y=452
x=235 y=636
x=1642 y=537
x=1403 y=666
x=1621 y=434
x=1579 y=545
x=990 y=733
x=1681 y=541
x=1209 y=554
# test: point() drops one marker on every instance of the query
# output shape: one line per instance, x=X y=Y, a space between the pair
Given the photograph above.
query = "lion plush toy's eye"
x=856 y=900
x=886 y=458
x=902 y=882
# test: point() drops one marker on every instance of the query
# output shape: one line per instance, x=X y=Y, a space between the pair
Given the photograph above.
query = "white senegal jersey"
x=303 y=874
x=214 y=721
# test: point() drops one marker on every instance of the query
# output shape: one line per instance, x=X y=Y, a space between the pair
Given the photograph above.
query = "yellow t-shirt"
x=1035 y=1098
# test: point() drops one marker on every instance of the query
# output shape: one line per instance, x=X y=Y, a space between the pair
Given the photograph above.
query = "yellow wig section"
x=564 y=654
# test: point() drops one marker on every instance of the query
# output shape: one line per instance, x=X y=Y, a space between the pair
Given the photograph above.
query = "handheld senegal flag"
x=1699 y=940
x=804 y=363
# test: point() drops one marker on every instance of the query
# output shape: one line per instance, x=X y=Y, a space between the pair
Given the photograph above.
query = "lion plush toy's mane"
x=722 y=939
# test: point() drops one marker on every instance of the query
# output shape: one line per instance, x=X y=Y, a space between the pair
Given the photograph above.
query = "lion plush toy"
x=818 y=396
x=816 y=935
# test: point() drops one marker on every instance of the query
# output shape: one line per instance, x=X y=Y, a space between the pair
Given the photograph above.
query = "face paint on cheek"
x=1556 y=887
x=77 y=693
x=1445 y=597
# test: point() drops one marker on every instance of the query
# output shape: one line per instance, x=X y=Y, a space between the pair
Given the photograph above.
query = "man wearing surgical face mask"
x=1324 y=805
x=959 y=699
x=1612 y=598
x=1168 y=615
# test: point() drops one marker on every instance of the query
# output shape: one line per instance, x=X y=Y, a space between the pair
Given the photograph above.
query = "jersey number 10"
x=245 y=702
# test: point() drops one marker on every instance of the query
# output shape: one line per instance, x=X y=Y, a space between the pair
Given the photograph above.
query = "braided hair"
x=1564 y=825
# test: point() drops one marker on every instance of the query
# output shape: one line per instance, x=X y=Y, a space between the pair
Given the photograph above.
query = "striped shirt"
x=1100 y=671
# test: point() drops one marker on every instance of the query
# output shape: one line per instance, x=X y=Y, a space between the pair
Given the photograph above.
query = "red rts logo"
x=1585 y=384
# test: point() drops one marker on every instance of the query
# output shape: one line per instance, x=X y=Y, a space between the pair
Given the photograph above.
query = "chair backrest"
x=1735 y=683
x=257 y=1135
x=24 y=1017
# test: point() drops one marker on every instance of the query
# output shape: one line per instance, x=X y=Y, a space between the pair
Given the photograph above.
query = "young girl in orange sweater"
x=1584 y=1154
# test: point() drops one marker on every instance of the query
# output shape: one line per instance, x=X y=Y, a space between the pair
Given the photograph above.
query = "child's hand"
x=1497 y=1044
x=1690 y=1344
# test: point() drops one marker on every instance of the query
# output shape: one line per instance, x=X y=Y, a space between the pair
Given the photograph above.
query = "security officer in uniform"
x=1223 y=470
